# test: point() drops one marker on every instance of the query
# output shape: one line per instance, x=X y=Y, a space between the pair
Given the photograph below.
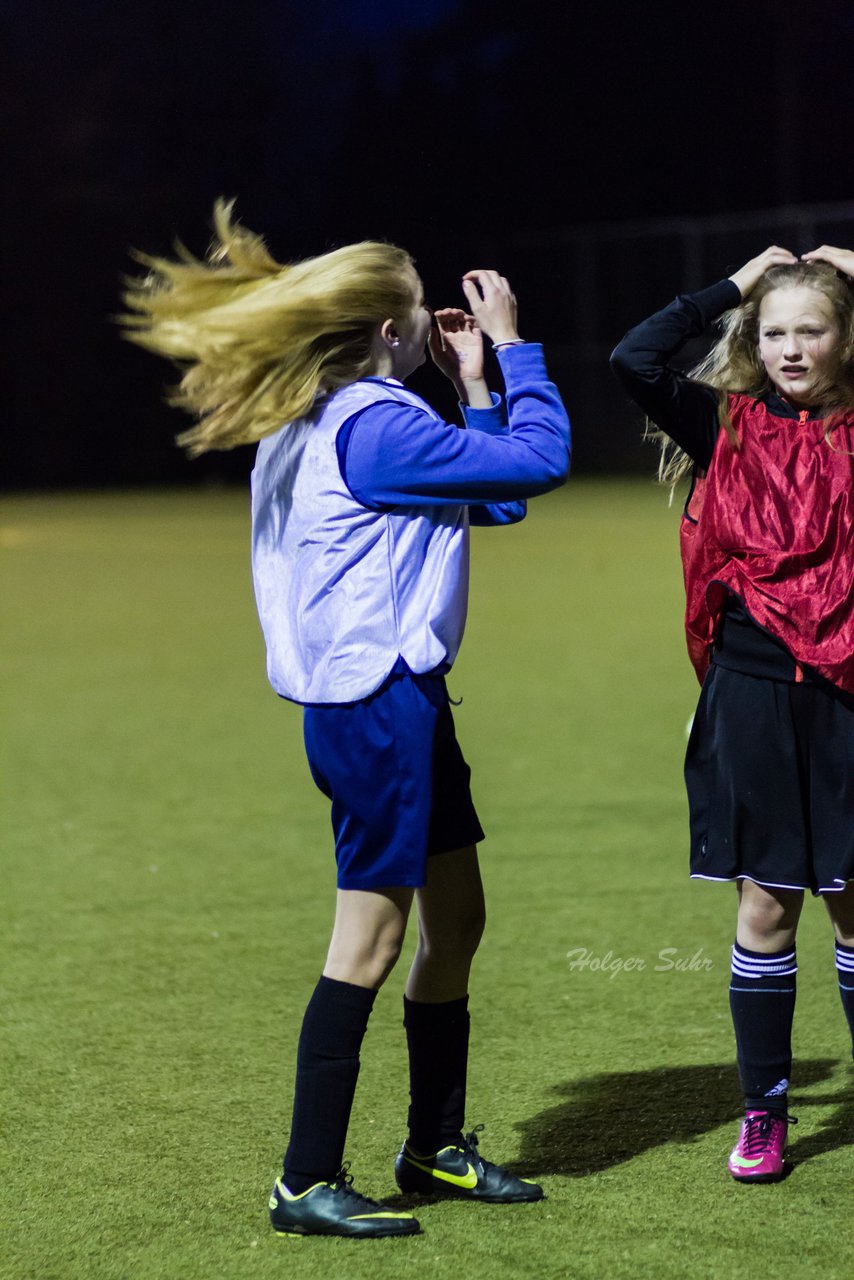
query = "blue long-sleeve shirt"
x=392 y=454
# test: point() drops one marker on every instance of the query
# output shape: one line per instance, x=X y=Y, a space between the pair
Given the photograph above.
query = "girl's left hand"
x=456 y=345
x=842 y=259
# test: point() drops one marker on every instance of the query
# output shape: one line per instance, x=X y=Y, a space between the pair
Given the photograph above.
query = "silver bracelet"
x=511 y=342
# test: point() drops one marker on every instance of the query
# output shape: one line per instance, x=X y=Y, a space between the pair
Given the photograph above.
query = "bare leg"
x=450 y=924
x=367 y=935
x=366 y=941
x=840 y=908
x=767 y=918
x=451 y=918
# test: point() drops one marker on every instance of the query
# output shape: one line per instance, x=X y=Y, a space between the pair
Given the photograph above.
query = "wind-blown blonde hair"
x=734 y=365
x=258 y=340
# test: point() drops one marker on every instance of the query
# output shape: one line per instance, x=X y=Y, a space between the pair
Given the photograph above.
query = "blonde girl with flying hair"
x=362 y=499
x=765 y=427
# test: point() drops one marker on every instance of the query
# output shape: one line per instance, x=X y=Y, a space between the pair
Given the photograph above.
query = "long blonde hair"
x=733 y=364
x=257 y=340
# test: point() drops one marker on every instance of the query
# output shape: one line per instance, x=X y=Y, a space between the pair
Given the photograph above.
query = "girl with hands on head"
x=764 y=426
x=362 y=498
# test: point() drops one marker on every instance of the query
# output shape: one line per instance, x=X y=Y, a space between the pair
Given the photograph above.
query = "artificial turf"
x=168 y=888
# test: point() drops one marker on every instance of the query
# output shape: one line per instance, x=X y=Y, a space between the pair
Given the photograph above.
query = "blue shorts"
x=399 y=785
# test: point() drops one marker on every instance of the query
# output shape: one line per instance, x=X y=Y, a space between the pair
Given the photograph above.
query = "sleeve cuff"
x=523 y=362
x=717 y=299
x=493 y=421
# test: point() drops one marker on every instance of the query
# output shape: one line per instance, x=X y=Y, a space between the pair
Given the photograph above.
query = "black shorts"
x=770 y=778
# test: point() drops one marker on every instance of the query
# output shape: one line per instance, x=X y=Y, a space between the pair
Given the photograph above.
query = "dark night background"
x=474 y=133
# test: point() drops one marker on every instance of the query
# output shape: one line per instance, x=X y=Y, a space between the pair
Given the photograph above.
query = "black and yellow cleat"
x=335 y=1209
x=461 y=1171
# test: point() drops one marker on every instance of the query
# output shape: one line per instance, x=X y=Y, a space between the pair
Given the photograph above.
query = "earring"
x=395 y=342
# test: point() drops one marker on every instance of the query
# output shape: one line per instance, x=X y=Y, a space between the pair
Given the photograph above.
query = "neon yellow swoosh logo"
x=746 y=1164
x=468 y=1181
x=356 y=1217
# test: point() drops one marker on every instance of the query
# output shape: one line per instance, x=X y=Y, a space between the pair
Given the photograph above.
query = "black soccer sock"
x=762 y=1001
x=845 y=969
x=437 y=1036
x=327 y=1070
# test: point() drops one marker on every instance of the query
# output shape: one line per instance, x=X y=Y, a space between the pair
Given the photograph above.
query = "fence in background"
x=585 y=286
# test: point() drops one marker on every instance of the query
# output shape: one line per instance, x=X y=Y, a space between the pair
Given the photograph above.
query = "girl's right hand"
x=492 y=303
x=752 y=272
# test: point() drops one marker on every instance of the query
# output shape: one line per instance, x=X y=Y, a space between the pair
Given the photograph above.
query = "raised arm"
x=393 y=454
x=685 y=410
x=456 y=346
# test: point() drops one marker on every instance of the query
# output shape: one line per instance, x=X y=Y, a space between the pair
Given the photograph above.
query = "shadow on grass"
x=836 y=1131
x=608 y=1119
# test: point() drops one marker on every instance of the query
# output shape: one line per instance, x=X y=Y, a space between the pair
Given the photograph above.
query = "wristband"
x=511 y=342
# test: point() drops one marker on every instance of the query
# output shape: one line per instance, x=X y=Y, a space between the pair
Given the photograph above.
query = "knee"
x=367 y=964
x=379 y=964
x=840 y=908
x=843 y=925
x=765 y=916
x=459 y=936
x=472 y=930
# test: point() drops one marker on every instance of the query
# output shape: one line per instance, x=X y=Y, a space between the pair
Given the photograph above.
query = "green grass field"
x=167 y=893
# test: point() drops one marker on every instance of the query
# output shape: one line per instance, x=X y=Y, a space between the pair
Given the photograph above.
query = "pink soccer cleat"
x=758 y=1154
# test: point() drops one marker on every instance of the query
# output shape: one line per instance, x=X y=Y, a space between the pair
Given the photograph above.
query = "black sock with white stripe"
x=762 y=1002
x=845 y=969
